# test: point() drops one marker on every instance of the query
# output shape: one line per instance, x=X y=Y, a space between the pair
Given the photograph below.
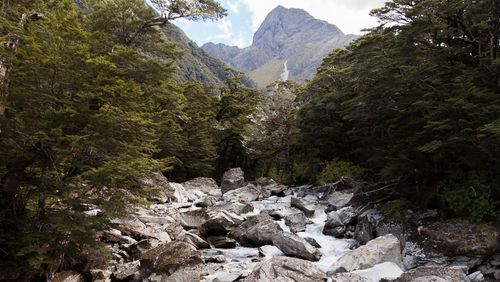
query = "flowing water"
x=286 y=72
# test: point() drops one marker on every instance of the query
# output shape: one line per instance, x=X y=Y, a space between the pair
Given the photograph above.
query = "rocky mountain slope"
x=290 y=44
x=195 y=64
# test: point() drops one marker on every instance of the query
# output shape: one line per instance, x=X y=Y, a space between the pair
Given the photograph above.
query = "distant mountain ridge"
x=288 y=40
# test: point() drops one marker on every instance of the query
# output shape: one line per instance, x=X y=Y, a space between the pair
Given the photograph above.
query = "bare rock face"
x=232 y=179
x=258 y=230
x=285 y=269
x=169 y=257
x=382 y=249
x=293 y=245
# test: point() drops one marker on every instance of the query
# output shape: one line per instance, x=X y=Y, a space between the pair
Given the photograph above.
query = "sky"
x=245 y=16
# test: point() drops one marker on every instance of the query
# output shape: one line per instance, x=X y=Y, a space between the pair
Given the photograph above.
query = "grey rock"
x=382 y=249
x=68 y=276
x=126 y=270
x=220 y=222
x=283 y=212
x=293 y=245
x=476 y=276
x=313 y=242
x=169 y=257
x=237 y=207
x=339 y=200
x=386 y=270
x=257 y=231
x=286 y=269
x=232 y=179
x=307 y=207
x=194 y=239
x=347 y=215
x=347 y=277
x=297 y=222
x=222 y=242
x=245 y=194
x=270 y=251
x=333 y=225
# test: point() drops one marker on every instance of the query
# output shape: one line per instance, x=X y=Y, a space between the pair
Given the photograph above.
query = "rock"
x=339 y=200
x=68 y=276
x=139 y=248
x=232 y=179
x=220 y=222
x=433 y=273
x=307 y=207
x=269 y=187
x=386 y=270
x=162 y=192
x=181 y=195
x=293 y=245
x=382 y=249
x=285 y=269
x=222 y=242
x=476 y=276
x=313 y=242
x=245 y=194
x=99 y=275
x=283 y=212
x=459 y=237
x=347 y=277
x=365 y=226
x=203 y=184
x=270 y=251
x=115 y=236
x=168 y=257
x=237 y=207
x=226 y=277
x=297 y=222
x=497 y=275
x=347 y=215
x=126 y=270
x=194 y=239
x=257 y=231
x=334 y=226
x=193 y=219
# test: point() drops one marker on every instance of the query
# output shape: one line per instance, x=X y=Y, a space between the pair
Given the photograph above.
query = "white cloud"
x=228 y=34
x=351 y=16
x=233 y=6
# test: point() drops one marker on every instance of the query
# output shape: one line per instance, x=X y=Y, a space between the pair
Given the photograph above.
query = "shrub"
x=336 y=169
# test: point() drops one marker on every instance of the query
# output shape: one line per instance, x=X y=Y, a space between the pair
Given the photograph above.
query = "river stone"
x=339 y=200
x=127 y=270
x=68 y=276
x=220 y=222
x=333 y=225
x=293 y=245
x=297 y=222
x=139 y=248
x=270 y=251
x=232 y=179
x=382 y=249
x=307 y=207
x=222 y=242
x=194 y=239
x=245 y=194
x=269 y=187
x=347 y=277
x=386 y=270
x=347 y=215
x=193 y=219
x=283 y=212
x=257 y=231
x=237 y=207
x=313 y=242
x=203 y=184
x=433 y=273
x=286 y=269
x=169 y=257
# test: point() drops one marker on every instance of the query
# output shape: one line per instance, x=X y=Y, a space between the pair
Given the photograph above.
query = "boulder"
x=297 y=222
x=459 y=238
x=365 y=226
x=382 y=249
x=158 y=184
x=347 y=215
x=270 y=251
x=433 y=273
x=139 y=248
x=347 y=277
x=307 y=207
x=257 y=231
x=293 y=245
x=99 y=275
x=237 y=207
x=169 y=257
x=313 y=242
x=334 y=226
x=197 y=241
x=203 y=184
x=182 y=195
x=193 y=219
x=220 y=222
x=245 y=194
x=222 y=242
x=285 y=269
x=115 y=236
x=339 y=200
x=126 y=271
x=386 y=270
x=269 y=187
x=68 y=276
x=283 y=212
x=232 y=179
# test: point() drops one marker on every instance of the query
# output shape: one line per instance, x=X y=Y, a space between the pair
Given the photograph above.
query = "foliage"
x=413 y=99
x=468 y=194
x=336 y=169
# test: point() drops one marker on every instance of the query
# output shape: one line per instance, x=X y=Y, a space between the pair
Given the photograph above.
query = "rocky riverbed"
x=264 y=231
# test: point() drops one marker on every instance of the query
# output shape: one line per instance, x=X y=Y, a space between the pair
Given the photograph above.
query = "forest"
x=89 y=105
